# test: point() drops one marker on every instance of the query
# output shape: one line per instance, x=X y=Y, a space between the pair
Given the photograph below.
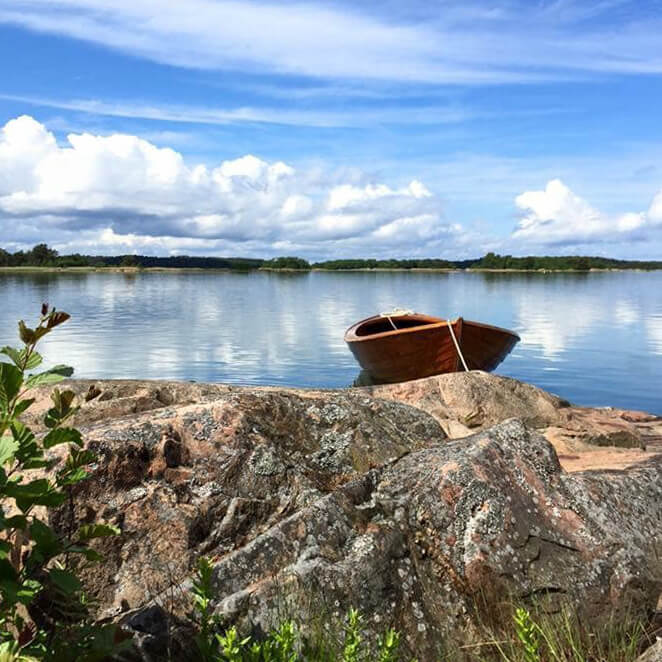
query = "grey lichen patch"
x=333 y=455
x=332 y=413
x=201 y=424
x=264 y=462
x=146 y=433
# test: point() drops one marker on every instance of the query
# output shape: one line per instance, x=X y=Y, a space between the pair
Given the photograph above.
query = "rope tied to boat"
x=457 y=345
x=396 y=312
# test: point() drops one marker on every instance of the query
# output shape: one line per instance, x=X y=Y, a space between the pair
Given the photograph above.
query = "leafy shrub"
x=43 y=609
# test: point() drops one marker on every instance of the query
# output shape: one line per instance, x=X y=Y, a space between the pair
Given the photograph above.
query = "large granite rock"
x=209 y=478
x=584 y=437
x=309 y=502
x=466 y=402
x=420 y=542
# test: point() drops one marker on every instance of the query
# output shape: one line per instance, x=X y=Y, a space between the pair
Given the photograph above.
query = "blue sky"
x=419 y=128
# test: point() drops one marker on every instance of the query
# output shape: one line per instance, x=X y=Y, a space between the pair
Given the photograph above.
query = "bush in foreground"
x=44 y=612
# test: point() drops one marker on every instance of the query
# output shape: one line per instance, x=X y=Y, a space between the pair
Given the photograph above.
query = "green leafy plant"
x=285 y=642
x=352 y=645
x=43 y=609
x=527 y=633
x=389 y=643
x=201 y=591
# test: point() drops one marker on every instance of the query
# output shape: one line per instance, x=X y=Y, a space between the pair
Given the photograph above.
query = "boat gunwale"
x=352 y=337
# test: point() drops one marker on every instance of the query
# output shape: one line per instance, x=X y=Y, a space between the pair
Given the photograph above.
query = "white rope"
x=457 y=346
x=396 y=312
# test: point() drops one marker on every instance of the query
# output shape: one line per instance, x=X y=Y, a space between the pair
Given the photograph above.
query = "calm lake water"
x=593 y=338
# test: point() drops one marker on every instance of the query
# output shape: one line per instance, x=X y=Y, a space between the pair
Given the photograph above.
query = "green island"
x=42 y=256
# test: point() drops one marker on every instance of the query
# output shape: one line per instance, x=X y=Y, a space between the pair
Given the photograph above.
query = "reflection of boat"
x=402 y=345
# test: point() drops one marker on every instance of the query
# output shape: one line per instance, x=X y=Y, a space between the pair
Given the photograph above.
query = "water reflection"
x=654 y=332
x=594 y=338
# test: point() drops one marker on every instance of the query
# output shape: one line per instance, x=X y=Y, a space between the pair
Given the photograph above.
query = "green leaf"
x=19 y=357
x=62 y=401
x=16 y=522
x=29 y=451
x=87 y=552
x=22 y=405
x=8 y=448
x=14 y=354
x=11 y=379
x=91 y=531
x=34 y=361
x=66 y=581
x=71 y=477
x=40 y=332
x=22 y=433
x=52 y=376
x=9 y=588
x=27 y=335
x=47 y=544
x=62 y=436
x=7 y=571
x=28 y=590
x=79 y=458
x=36 y=493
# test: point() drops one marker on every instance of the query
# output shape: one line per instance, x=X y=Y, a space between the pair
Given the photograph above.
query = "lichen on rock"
x=411 y=502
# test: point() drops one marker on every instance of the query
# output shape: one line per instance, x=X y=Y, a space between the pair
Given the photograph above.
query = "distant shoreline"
x=137 y=270
x=41 y=258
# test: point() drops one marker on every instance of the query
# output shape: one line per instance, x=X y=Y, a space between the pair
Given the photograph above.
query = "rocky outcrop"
x=209 y=478
x=466 y=402
x=653 y=654
x=419 y=543
x=309 y=502
x=584 y=437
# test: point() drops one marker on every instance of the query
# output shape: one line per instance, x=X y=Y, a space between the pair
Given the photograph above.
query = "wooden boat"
x=403 y=345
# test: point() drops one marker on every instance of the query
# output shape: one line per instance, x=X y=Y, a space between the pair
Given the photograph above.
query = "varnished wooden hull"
x=424 y=346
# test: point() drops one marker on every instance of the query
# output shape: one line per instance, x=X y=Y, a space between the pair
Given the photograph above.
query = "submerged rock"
x=310 y=502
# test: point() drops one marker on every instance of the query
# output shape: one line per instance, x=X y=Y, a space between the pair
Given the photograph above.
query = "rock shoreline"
x=406 y=501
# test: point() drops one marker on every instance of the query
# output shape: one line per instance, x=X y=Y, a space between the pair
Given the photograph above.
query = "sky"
x=331 y=129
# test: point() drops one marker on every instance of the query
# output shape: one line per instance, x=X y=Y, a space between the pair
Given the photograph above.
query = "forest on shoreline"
x=42 y=255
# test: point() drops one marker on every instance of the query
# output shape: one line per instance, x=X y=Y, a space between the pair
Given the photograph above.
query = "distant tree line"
x=181 y=262
x=567 y=262
x=385 y=264
x=44 y=256
x=286 y=263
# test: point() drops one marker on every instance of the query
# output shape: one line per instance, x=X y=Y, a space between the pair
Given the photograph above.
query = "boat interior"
x=384 y=324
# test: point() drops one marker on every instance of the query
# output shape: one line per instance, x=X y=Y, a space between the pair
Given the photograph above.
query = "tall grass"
x=523 y=635
x=536 y=636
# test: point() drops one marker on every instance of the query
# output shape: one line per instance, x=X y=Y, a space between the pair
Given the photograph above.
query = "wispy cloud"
x=356 y=117
x=469 y=44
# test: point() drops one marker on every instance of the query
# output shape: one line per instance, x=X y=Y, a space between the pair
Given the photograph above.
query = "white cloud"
x=556 y=215
x=186 y=114
x=120 y=193
x=655 y=210
x=468 y=42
